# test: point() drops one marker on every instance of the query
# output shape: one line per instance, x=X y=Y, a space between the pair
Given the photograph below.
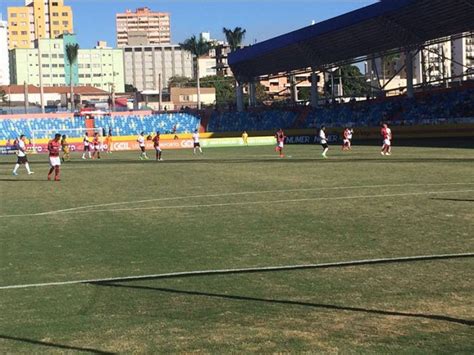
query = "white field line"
x=174 y=198
x=249 y=203
x=246 y=270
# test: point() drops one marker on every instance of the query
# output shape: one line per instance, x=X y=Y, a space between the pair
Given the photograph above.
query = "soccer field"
x=239 y=208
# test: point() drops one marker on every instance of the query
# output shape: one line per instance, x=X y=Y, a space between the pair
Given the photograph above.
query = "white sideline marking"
x=243 y=270
x=226 y=194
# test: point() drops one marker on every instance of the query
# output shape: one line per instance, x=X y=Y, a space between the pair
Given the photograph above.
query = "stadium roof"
x=386 y=25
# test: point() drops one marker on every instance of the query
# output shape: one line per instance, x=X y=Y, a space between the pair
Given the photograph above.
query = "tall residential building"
x=4 y=62
x=99 y=67
x=144 y=64
x=143 y=27
x=38 y=19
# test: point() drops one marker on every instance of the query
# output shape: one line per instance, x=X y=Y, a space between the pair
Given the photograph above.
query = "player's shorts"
x=280 y=145
x=387 y=142
x=346 y=141
x=22 y=160
x=66 y=150
x=158 y=149
x=142 y=148
x=197 y=145
x=87 y=148
x=324 y=145
x=97 y=147
x=54 y=161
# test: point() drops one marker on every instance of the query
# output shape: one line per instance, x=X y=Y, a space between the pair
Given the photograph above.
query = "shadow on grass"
x=53 y=345
x=452 y=199
x=435 y=317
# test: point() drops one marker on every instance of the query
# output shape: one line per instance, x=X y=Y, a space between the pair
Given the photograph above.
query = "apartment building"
x=4 y=61
x=145 y=64
x=143 y=27
x=38 y=19
x=99 y=67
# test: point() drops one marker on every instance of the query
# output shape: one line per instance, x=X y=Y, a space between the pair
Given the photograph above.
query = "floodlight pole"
x=409 y=68
x=314 y=90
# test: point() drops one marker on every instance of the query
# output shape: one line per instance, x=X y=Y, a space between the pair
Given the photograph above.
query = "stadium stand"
x=120 y=125
x=251 y=121
x=12 y=128
x=447 y=106
x=134 y=124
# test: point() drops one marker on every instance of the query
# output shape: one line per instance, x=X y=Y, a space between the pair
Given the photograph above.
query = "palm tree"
x=198 y=48
x=235 y=38
x=72 y=50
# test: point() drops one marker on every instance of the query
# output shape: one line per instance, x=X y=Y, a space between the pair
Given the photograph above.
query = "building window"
x=13 y=15
x=54 y=55
x=45 y=65
x=24 y=33
x=14 y=33
x=97 y=75
x=55 y=14
x=56 y=46
x=55 y=3
x=55 y=23
x=65 y=23
x=65 y=14
x=44 y=55
x=54 y=65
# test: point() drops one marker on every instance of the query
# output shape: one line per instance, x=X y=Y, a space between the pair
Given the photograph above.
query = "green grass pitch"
x=240 y=208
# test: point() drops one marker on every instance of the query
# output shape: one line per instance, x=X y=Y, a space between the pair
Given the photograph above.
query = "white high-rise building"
x=145 y=64
x=463 y=58
x=4 y=62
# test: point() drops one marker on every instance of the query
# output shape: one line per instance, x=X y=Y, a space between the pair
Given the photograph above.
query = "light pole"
x=40 y=69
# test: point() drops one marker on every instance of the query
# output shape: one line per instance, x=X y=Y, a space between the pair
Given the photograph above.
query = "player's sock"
x=56 y=173
x=27 y=166
x=50 y=172
x=200 y=150
x=15 y=169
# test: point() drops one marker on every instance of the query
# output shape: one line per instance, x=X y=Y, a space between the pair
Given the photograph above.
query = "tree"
x=353 y=82
x=3 y=96
x=72 y=50
x=198 y=48
x=130 y=88
x=225 y=93
x=180 y=82
x=235 y=38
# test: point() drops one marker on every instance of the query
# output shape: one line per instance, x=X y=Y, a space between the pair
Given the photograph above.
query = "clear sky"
x=263 y=19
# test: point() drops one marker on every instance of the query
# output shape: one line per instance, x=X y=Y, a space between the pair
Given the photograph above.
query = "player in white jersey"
x=324 y=141
x=22 y=158
x=197 y=145
x=141 y=144
x=87 y=146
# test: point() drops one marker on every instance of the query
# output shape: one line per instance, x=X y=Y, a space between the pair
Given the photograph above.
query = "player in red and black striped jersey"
x=280 y=138
x=54 y=147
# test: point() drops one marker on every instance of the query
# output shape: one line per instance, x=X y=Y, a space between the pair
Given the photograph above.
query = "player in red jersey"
x=156 y=144
x=280 y=138
x=346 y=145
x=96 y=145
x=54 y=147
x=387 y=140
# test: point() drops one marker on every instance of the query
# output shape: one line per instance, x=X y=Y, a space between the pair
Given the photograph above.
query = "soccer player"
x=280 y=139
x=22 y=158
x=197 y=145
x=141 y=144
x=54 y=147
x=156 y=144
x=65 y=149
x=387 y=140
x=96 y=144
x=324 y=141
x=347 y=136
x=108 y=142
x=87 y=146
x=245 y=138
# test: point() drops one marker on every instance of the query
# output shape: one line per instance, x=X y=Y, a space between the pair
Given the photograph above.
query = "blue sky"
x=95 y=19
